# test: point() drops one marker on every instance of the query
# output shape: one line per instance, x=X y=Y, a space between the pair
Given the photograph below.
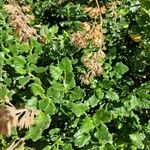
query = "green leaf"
x=79 y=109
x=23 y=80
x=54 y=131
x=82 y=140
x=101 y=116
x=67 y=146
x=48 y=147
x=55 y=94
x=77 y=94
x=99 y=93
x=103 y=135
x=112 y=95
x=36 y=46
x=66 y=65
x=40 y=70
x=55 y=72
x=32 y=58
x=137 y=140
x=42 y=122
x=120 y=68
x=19 y=61
x=24 y=47
x=143 y=103
x=47 y=106
x=109 y=146
x=20 y=70
x=69 y=80
x=3 y=91
x=93 y=101
x=54 y=29
x=37 y=89
x=32 y=103
x=86 y=126
x=58 y=86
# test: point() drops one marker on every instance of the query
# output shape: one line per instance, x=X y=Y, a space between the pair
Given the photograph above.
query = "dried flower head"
x=12 y=117
x=20 y=21
x=103 y=10
x=94 y=68
x=86 y=26
x=94 y=12
x=96 y=35
x=27 y=119
x=79 y=40
x=8 y=119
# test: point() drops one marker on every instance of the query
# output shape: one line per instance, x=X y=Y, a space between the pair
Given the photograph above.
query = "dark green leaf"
x=77 y=94
x=101 y=116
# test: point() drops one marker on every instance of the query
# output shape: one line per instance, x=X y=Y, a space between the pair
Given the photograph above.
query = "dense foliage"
x=75 y=74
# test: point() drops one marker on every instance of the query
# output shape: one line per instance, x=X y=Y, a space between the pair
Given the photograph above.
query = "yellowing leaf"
x=135 y=37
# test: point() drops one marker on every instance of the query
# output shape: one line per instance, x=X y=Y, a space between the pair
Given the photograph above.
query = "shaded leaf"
x=101 y=116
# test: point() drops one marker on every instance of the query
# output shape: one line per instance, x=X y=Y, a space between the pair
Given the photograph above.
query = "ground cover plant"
x=74 y=74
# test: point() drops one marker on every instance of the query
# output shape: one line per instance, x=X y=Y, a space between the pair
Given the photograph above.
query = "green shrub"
x=44 y=73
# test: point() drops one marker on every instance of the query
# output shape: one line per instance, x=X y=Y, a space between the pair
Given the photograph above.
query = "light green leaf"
x=101 y=116
x=40 y=70
x=99 y=93
x=67 y=147
x=47 y=106
x=54 y=131
x=120 y=68
x=55 y=94
x=32 y=103
x=103 y=135
x=20 y=70
x=24 y=47
x=69 y=80
x=77 y=94
x=66 y=65
x=86 y=126
x=54 y=29
x=109 y=146
x=82 y=140
x=19 y=61
x=93 y=101
x=79 y=109
x=37 y=89
x=48 y=147
x=55 y=72
x=3 y=91
x=112 y=95
x=36 y=45
x=23 y=80
x=137 y=140
x=32 y=58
